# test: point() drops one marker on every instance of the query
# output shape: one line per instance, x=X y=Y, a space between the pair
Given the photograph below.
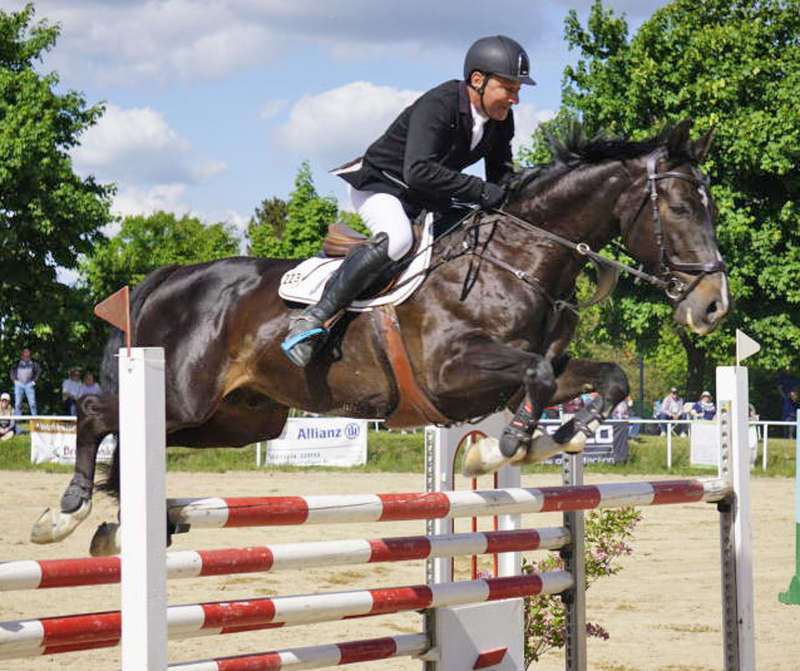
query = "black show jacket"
x=427 y=146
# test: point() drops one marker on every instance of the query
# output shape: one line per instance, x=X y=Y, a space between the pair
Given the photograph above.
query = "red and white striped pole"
x=25 y=638
x=255 y=511
x=50 y=573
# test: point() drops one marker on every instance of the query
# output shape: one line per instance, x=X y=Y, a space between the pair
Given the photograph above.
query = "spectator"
x=25 y=374
x=7 y=426
x=623 y=411
x=794 y=406
x=71 y=391
x=705 y=408
x=671 y=408
x=786 y=383
x=89 y=386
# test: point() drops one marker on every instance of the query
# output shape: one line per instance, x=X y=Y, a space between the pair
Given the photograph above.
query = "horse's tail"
x=109 y=366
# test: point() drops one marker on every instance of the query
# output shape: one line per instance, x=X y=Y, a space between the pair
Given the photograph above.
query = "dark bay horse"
x=483 y=331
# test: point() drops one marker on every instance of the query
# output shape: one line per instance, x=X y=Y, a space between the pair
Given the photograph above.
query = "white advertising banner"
x=53 y=441
x=320 y=441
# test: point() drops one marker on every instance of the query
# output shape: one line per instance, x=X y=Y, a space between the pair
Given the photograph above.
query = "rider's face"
x=498 y=97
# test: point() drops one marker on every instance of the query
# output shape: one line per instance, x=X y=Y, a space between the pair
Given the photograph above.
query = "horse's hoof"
x=107 y=540
x=54 y=525
x=542 y=448
x=576 y=443
x=484 y=457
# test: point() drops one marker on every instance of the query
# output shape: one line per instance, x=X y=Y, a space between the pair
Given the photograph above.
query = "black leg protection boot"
x=518 y=433
x=359 y=270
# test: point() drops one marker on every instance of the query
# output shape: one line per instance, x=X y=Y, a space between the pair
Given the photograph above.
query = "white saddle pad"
x=304 y=283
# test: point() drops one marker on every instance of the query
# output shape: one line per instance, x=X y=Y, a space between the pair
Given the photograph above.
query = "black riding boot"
x=359 y=270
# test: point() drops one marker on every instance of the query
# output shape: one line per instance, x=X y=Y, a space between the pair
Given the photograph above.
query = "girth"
x=414 y=408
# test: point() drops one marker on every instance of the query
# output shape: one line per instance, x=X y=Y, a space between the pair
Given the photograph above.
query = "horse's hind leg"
x=97 y=417
x=575 y=377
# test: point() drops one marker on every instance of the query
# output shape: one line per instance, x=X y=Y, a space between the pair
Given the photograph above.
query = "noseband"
x=675 y=288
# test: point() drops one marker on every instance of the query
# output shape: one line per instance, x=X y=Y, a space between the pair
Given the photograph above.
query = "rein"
x=674 y=287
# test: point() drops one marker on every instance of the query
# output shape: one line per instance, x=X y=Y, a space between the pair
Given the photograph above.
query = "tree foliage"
x=296 y=229
x=732 y=65
x=145 y=243
x=49 y=216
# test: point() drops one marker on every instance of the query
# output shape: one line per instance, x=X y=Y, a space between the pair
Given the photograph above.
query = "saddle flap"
x=340 y=240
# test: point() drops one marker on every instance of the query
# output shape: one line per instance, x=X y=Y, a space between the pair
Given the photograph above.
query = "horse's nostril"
x=712 y=311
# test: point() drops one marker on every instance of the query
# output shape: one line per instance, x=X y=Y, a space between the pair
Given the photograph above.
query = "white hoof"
x=576 y=444
x=542 y=448
x=53 y=525
x=107 y=540
x=484 y=457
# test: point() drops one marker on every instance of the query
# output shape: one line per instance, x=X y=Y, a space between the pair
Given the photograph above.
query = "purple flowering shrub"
x=607 y=534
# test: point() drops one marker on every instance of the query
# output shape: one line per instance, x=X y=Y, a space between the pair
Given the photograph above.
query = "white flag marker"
x=745 y=346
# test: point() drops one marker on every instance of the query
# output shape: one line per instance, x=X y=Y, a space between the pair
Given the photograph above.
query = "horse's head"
x=667 y=223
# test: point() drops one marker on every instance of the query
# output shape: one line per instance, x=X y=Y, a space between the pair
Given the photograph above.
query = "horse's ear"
x=700 y=147
x=679 y=137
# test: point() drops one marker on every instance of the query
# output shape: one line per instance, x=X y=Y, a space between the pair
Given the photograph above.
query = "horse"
x=488 y=328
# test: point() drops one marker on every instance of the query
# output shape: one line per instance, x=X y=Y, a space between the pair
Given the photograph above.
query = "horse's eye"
x=679 y=210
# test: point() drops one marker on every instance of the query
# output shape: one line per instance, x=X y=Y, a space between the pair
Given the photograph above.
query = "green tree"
x=296 y=229
x=266 y=226
x=732 y=65
x=145 y=243
x=48 y=214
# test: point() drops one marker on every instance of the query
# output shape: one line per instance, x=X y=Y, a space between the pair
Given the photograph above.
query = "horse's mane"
x=572 y=148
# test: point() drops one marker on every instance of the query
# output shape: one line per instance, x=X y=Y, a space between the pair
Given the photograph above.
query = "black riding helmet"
x=498 y=55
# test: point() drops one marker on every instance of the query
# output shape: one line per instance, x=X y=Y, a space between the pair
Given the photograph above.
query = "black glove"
x=492 y=196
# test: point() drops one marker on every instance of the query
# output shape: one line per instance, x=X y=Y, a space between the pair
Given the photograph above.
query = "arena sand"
x=662 y=610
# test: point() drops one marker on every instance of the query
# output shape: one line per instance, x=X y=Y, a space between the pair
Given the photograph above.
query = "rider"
x=416 y=164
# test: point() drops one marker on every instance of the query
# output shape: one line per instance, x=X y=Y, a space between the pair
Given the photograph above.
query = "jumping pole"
x=144 y=568
x=792 y=596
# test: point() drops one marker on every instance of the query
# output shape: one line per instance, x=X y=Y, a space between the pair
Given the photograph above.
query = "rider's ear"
x=700 y=147
x=679 y=137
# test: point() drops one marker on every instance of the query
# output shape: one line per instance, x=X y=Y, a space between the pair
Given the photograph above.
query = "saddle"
x=341 y=239
x=304 y=284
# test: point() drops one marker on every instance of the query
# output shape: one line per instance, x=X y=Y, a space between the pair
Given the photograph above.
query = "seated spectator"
x=71 y=391
x=672 y=408
x=89 y=386
x=6 y=425
x=623 y=411
x=705 y=408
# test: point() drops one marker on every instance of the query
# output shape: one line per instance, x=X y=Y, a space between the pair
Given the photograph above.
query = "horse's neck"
x=581 y=210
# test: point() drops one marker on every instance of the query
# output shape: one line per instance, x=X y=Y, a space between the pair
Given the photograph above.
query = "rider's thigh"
x=384 y=213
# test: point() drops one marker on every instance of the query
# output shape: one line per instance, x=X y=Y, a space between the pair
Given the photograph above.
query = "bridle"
x=675 y=288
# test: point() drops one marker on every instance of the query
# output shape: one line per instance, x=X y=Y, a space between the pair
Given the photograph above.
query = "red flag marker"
x=116 y=310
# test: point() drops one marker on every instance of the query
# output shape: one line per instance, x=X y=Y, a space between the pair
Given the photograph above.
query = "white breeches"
x=384 y=213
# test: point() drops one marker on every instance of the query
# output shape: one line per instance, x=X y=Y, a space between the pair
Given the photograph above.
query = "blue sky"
x=213 y=104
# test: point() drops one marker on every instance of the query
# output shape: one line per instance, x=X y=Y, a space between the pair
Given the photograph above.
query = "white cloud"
x=526 y=119
x=131 y=200
x=271 y=109
x=126 y=42
x=137 y=146
x=339 y=124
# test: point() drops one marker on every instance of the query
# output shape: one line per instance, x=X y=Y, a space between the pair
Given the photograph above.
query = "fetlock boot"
x=361 y=268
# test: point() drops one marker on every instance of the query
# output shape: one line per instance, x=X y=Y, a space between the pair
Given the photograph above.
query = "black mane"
x=572 y=148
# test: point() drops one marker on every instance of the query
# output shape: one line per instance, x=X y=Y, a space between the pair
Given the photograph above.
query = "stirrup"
x=288 y=345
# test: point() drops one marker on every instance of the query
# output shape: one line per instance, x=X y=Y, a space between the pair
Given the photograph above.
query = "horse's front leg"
x=482 y=364
x=575 y=377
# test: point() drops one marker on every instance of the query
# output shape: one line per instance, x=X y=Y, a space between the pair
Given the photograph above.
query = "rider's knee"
x=400 y=243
